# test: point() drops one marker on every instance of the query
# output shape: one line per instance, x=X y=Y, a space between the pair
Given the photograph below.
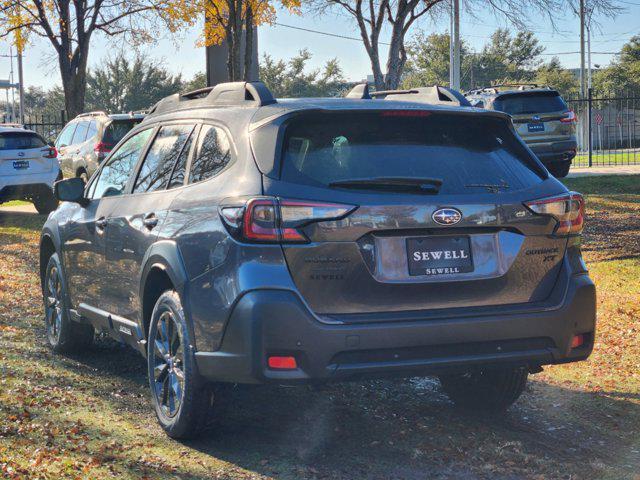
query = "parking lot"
x=87 y=416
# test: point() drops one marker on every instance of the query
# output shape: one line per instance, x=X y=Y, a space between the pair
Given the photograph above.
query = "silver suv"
x=87 y=139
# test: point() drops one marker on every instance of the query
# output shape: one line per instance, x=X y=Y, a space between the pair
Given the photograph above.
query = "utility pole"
x=20 y=87
x=582 y=60
x=589 y=54
x=454 y=46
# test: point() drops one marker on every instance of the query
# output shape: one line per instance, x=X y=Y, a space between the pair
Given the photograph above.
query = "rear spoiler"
x=436 y=95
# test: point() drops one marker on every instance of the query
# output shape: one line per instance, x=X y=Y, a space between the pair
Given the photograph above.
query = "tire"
x=45 y=203
x=559 y=169
x=491 y=390
x=63 y=334
x=181 y=399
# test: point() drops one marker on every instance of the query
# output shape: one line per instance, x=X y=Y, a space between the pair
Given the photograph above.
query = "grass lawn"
x=607 y=158
x=15 y=203
x=88 y=416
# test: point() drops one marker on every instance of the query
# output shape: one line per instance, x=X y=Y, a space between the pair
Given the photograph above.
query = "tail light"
x=567 y=209
x=276 y=220
x=102 y=147
x=49 y=152
x=570 y=117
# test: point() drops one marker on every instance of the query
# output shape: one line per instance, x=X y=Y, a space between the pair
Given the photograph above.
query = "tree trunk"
x=248 y=45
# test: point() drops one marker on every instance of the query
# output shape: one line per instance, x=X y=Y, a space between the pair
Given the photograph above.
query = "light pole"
x=454 y=46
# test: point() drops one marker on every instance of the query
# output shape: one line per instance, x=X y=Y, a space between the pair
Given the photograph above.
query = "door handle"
x=150 y=221
x=101 y=223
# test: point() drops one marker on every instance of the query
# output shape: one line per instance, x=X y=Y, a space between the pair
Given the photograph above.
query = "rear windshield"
x=530 y=103
x=467 y=153
x=117 y=130
x=20 y=140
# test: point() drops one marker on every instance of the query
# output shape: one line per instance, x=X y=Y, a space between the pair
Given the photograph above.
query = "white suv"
x=28 y=168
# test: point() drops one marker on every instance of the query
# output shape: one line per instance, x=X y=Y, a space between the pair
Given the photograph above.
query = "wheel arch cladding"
x=47 y=248
x=163 y=270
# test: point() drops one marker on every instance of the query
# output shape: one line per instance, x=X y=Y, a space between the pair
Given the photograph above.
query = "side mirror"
x=70 y=190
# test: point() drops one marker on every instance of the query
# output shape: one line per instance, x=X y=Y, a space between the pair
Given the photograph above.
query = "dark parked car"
x=234 y=238
x=541 y=117
x=87 y=139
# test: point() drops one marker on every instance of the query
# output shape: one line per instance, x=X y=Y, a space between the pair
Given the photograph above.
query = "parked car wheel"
x=180 y=398
x=486 y=390
x=560 y=169
x=63 y=334
x=45 y=203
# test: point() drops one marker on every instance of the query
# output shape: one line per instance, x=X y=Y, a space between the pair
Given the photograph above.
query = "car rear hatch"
x=538 y=116
x=24 y=153
x=405 y=210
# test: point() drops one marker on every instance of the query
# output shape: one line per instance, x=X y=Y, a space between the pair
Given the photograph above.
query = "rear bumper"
x=18 y=187
x=276 y=322
x=555 y=151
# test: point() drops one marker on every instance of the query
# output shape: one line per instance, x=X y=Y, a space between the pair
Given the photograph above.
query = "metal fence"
x=47 y=125
x=608 y=129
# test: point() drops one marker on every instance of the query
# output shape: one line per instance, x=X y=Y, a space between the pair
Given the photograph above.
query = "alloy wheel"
x=168 y=364
x=53 y=305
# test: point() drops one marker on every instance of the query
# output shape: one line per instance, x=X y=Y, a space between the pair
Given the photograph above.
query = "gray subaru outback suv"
x=235 y=238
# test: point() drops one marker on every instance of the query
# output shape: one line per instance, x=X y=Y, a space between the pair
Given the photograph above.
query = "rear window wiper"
x=423 y=185
x=493 y=188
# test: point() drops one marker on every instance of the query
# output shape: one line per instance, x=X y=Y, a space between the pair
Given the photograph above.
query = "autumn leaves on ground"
x=88 y=416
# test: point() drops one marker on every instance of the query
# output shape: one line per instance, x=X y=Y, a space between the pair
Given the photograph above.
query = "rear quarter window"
x=467 y=152
x=20 y=140
x=117 y=129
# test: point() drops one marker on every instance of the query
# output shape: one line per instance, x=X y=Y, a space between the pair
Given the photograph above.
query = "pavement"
x=575 y=173
x=616 y=170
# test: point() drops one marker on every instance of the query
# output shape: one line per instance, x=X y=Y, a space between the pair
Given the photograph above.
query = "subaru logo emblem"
x=447 y=216
x=21 y=154
x=536 y=118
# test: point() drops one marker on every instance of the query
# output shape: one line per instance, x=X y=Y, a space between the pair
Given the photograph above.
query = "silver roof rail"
x=435 y=95
x=228 y=94
x=97 y=113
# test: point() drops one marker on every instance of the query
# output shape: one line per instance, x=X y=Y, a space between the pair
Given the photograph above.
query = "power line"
x=345 y=37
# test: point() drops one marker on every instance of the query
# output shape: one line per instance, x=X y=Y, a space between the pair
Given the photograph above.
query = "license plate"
x=439 y=255
x=535 y=127
x=21 y=164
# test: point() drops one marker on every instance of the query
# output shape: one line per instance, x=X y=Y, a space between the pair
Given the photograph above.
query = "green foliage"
x=505 y=58
x=292 y=79
x=122 y=85
x=623 y=74
x=38 y=102
x=559 y=78
x=198 y=81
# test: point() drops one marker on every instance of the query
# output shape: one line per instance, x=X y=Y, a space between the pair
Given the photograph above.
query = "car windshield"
x=20 y=140
x=525 y=103
x=404 y=150
x=117 y=130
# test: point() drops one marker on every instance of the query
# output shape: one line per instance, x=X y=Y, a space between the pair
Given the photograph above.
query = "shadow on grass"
x=399 y=429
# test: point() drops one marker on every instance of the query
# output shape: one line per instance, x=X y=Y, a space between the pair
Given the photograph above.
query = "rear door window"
x=213 y=153
x=159 y=162
x=529 y=103
x=20 y=140
x=66 y=135
x=80 y=134
x=468 y=153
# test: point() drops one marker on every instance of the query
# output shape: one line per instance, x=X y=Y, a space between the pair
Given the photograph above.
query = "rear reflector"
x=282 y=363
x=567 y=209
x=577 y=341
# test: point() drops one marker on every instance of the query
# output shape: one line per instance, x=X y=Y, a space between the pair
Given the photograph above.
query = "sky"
x=181 y=55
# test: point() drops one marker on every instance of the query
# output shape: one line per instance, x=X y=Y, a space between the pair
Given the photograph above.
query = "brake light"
x=49 y=152
x=275 y=220
x=570 y=117
x=567 y=209
x=102 y=147
x=405 y=113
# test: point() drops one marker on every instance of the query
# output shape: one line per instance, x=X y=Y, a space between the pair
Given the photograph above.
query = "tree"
x=198 y=81
x=69 y=26
x=290 y=79
x=37 y=101
x=122 y=85
x=230 y=20
x=624 y=73
x=559 y=78
x=507 y=58
x=428 y=60
x=398 y=16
